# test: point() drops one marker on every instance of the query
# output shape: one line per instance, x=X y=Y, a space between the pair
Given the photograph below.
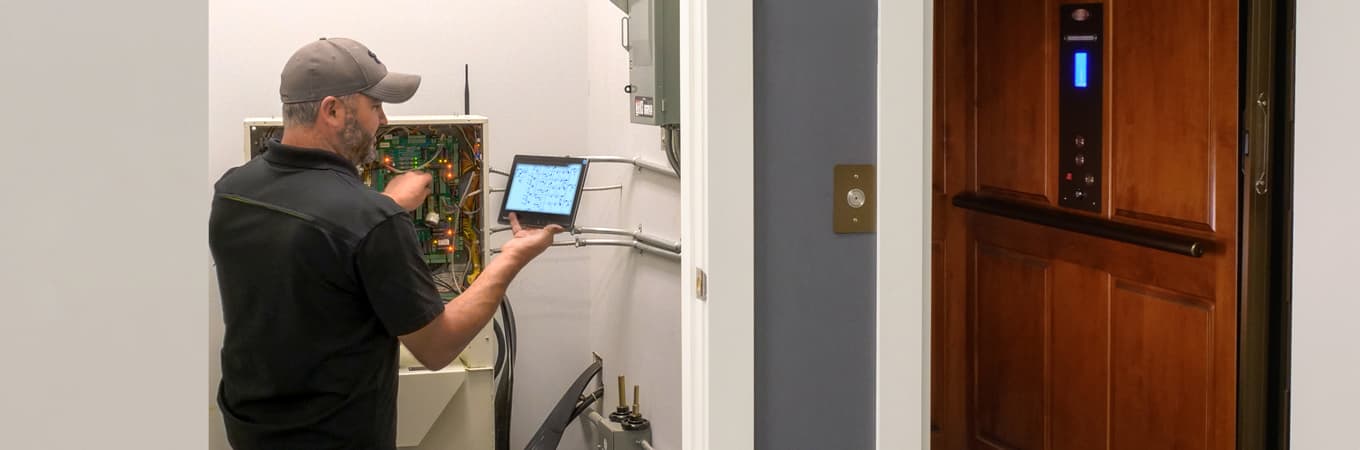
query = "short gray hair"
x=303 y=115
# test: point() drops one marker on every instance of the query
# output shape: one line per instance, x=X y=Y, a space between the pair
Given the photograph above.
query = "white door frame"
x=902 y=378
x=717 y=224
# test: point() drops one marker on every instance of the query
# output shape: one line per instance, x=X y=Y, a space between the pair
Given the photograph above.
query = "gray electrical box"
x=653 y=41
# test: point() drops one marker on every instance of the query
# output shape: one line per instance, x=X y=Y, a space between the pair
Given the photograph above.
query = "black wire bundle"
x=439 y=282
x=504 y=372
x=586 y=401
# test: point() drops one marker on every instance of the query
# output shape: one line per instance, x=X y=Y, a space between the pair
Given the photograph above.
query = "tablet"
x=544 y=190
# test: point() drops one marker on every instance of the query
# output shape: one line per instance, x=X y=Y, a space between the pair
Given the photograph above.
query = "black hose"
x=503 y=399
x=500 y=350
x=505 y=385
x=549 y=434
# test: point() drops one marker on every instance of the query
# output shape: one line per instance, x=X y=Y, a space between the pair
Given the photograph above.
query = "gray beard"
x=357 y=145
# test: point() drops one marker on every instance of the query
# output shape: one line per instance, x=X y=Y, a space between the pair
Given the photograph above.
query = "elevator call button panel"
x=1081 y=101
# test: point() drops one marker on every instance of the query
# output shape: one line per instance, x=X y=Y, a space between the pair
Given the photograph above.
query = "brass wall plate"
x=854 y=198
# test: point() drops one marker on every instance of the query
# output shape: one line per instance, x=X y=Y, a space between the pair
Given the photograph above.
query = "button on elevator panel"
x=1081 y=100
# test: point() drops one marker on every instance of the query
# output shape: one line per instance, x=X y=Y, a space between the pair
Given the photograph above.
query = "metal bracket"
x=700 y=284
x=1262 y=185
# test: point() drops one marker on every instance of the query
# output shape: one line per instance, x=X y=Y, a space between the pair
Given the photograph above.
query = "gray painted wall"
x=814 y=332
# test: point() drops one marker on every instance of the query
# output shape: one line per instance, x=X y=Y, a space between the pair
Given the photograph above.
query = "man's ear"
x=330 y=111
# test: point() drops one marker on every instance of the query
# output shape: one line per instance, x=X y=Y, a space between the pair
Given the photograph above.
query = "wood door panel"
x=1180 y=273
x=1161 y=363
x=954 y=127
x=1012 y=291
x=1079 y=358
x=1056 y=340
x=1012 y=157
x=1162 y=135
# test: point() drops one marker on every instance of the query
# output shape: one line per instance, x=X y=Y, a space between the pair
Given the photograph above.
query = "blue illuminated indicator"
x=1079 y=70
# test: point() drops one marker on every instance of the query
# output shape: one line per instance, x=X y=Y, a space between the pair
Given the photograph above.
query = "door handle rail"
x=1076 y=223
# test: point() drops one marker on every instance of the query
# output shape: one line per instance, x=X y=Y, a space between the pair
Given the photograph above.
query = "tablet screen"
x=544 y=188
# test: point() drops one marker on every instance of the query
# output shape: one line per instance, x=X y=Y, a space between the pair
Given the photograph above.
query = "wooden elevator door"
x=1046 y=338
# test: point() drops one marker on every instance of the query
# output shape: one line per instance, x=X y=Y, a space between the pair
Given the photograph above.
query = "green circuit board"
x=438 y=151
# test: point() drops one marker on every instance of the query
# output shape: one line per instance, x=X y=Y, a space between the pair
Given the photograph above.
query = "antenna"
x=467 y=103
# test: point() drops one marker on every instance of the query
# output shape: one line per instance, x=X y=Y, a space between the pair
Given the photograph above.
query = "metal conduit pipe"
x=659 y=243
x=587 y=188
x=497 y=250
x=653 y=241
x=580 y=242
x=636 y=161
x=629 y=243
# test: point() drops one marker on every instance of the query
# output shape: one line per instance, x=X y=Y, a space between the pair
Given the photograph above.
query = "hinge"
x=700 y=284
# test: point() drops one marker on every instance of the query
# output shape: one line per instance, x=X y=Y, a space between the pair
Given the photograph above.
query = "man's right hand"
x=409 y=189
x=528 y=243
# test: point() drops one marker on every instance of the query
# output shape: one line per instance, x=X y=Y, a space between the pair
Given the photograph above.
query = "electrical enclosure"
x=451 y=225
x=653 y=42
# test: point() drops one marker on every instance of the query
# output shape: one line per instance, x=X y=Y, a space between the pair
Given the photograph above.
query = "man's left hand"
x=409 y=189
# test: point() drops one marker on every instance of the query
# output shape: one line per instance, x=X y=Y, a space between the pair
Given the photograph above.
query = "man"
x=321 y=276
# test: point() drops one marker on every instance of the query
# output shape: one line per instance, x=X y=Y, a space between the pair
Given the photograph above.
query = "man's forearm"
x=471 y=310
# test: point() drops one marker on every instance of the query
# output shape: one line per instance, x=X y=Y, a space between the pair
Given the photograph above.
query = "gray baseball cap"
x=340 y=66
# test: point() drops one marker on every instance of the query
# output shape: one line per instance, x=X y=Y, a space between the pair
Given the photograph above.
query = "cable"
x=505 y=385
x=457 y=222
x=444 y=284
x=514 y=328
x=465 y=138
x=393 y=128
x=439 y=151
x=671 y=140
x=504 y=397
x=439 y=282
x=500 y=352
x=464 y=197
x=471 y=239
x=586 y=401
x=468 y=191
x=422 y=166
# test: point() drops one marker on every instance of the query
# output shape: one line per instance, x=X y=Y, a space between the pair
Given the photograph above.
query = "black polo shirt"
x=319 y=274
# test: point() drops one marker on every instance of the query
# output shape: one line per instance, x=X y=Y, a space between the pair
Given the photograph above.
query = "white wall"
x=1326 y=358
x=636 y=312
x=549 y=75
